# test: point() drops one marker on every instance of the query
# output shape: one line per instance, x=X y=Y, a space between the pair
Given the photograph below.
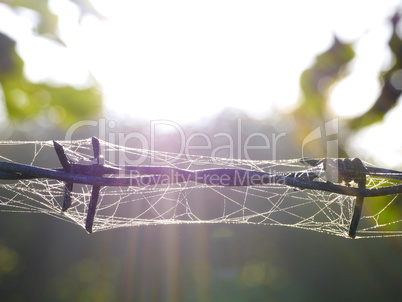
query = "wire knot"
x=92 y=167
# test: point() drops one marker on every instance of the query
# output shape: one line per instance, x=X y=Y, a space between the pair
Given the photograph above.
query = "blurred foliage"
x=331 y=66
x=24 y=100
x=86 y=8
x=316 y=84
x=8 y=260
x=391 y=83
x=316 y=81
x=48 y=21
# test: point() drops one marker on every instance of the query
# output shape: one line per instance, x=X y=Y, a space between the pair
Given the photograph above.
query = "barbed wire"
x=340 y=174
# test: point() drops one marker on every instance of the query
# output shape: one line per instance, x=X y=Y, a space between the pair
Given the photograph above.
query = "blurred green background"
x=45 y=259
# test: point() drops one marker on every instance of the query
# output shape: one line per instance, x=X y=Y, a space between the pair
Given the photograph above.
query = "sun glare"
x=184 y=60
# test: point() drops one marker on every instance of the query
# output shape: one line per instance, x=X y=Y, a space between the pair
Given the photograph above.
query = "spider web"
x=189 y=202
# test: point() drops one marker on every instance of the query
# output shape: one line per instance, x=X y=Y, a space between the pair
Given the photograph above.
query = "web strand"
x=101 y=186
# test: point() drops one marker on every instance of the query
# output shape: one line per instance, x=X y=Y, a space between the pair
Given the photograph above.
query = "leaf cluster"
x=25 y=100
x=332 y=66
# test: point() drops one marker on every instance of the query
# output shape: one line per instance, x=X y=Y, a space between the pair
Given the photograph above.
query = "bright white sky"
x=185 y=60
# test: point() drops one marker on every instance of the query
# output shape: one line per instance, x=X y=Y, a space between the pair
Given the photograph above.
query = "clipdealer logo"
x=235 y=144
x=329 y=133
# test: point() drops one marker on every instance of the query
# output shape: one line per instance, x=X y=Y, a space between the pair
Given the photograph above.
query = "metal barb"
x=95 y=188
x=345 y=171
x=88 y=170
x=66 y=164
x=360 y=171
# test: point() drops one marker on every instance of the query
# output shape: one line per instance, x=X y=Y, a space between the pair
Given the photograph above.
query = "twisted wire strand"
x=148 y=175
